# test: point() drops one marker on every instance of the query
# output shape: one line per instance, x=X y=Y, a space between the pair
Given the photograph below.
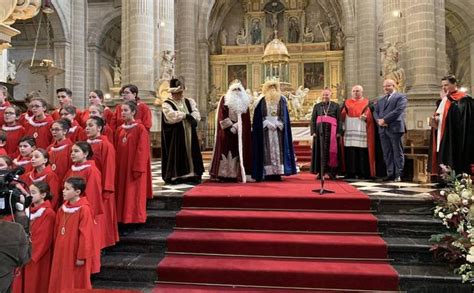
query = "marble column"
x=164 y=34
x=3 y=65
x=78 y=52
x=93 y=59
x=367 y=46
x=137 y=45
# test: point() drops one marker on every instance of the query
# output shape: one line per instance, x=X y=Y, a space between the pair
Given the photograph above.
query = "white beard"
x=237 y=102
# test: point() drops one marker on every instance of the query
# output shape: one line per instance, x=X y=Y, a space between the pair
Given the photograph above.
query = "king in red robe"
x=232 y=157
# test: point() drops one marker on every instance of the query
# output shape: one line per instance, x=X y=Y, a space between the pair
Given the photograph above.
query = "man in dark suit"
x=390 y=117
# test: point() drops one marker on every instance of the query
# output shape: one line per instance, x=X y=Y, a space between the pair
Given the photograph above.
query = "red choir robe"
x=76 y=132
x=56 y=115
x=3 y=151
x=143 y=115
x=35 y=275
x=104 y=157
x=14 y=134
x=109 y=133
x=25 y=163
x=40 y=130
x=60 y=158
x=24 y=117
x=132 y=164
x=93 y=193
x=107 y=116
x=355 y=108
x=48 y=176
x=2 y=112
x=74 y=239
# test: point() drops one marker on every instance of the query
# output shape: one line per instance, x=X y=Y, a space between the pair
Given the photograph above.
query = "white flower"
x=443 y=192
x=470 y=256
x=465 y=202
x=449 y=216
x=441 y=215
x=453 y=199
x=466 y=193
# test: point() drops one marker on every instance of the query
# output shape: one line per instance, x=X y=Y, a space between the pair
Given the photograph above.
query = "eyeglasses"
x=9 y=113
x=35 y=106
x=56 y=129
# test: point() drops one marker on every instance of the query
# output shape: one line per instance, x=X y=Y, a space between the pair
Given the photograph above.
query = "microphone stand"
x=322 y=160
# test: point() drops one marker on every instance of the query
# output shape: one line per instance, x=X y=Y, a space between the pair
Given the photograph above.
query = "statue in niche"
x=274 y=17
x=256 y=33
x=117 y=72
x=223 y=37
x=167 y=64
x=293 y=31
x=241 y=38
x=339 y=40
x=11 y=70
x=390 y=56
x=308 y=35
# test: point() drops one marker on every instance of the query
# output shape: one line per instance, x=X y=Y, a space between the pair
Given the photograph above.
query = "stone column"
x=78 y=52
x=186 y=41
x=367 y=46
x=3 y=65
x=164 y=34
x=421 y=47
x=93 y=59
x=137 y=45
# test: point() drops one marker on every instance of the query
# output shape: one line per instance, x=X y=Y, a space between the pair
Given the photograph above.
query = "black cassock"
x=323 y=129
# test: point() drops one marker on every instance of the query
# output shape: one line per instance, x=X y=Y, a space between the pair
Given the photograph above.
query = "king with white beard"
x=232 y=155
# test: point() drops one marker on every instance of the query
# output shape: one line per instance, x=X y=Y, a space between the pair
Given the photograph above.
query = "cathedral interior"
x=308 y=45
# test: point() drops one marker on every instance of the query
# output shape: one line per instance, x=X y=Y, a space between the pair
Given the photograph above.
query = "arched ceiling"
x=29 y=29
x=112 y=37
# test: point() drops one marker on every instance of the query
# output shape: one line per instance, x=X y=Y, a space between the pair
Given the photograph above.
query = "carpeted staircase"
x=303 y=154
x=277 y=235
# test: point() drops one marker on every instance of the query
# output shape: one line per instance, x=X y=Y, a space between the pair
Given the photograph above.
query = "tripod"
x=322 y=160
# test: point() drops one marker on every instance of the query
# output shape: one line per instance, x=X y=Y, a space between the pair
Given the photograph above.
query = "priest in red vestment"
x=232 y=157
x=359 y=136
x=74 y=247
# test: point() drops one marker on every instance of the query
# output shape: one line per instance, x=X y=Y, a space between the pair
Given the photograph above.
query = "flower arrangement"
x=455 y=208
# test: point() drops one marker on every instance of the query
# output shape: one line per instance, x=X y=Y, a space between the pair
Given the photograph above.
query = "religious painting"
x=314 y=75
x=237 y=72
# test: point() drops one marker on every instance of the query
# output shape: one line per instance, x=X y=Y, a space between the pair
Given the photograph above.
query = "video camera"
x=11 y=198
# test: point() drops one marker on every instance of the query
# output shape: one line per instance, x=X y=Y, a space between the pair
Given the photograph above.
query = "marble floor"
x=370 y=187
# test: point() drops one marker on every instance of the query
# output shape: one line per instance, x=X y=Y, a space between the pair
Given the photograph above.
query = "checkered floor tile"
x=392 y=189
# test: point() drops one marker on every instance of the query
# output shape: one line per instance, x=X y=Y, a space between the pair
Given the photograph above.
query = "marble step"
x=389 y=225
x=402 y=250
x=118 y=268
x=379 y=204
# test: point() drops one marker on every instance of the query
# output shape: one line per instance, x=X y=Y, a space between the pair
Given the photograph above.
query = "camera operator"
x=15 y=248
x=15 y=245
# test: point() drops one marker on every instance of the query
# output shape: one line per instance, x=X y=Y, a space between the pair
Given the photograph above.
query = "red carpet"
x=276 y=235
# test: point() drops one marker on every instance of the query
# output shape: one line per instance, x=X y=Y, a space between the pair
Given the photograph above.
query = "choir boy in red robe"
x=133 y=156
x=42 y=173
x=13 y=130
x=26 y=147
x=76 y=132
x=5 y=162
x=3 y=102
x=98 y=111
x=3 y=142
x=96 y=98
x=104 y=157
x=34 y=277
x=60 y=150
x=130 y=93
x=74 y=246
x=84 y=167
x=64 y=96
x=24 y=117
x=39 y=125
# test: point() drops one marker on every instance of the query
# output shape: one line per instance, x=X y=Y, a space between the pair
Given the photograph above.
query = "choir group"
x=87 y=173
